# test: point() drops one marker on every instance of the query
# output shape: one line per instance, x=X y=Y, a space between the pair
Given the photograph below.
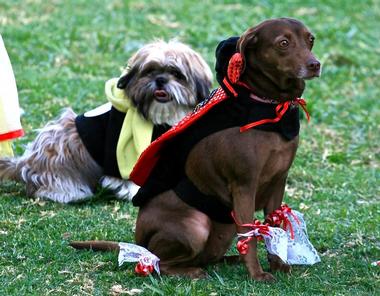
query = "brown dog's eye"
x=284 y=43
x=311 y=39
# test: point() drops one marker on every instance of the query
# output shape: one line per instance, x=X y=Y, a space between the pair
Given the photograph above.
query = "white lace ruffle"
x=297 y=251
x=300 y=249
x=135 y=253
x=277 y=243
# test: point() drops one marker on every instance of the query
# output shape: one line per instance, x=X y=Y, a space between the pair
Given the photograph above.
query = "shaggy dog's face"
x=166 y=80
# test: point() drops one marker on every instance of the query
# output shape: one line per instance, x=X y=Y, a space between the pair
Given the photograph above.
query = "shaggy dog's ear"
x=125 y=79
x=202 y=89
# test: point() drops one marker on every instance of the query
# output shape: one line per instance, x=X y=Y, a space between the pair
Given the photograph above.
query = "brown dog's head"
x=280 y=51
x=165 y=80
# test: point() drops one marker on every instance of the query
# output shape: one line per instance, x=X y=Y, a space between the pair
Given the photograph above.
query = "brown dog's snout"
x=313 y=65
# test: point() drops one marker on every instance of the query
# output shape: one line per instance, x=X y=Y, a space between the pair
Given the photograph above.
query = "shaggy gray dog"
x=163 y=80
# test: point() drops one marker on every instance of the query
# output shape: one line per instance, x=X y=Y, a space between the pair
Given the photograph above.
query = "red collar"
x=281 y=107
x=264 y=100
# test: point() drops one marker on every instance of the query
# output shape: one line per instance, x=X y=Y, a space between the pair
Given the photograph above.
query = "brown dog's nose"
x=313 y=65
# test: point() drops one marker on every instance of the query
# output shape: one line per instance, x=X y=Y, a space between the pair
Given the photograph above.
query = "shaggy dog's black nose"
x=161 y=81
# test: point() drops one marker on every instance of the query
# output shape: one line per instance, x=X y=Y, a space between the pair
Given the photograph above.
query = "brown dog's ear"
x=247 y=40
x=125 y=79
x=244 y=39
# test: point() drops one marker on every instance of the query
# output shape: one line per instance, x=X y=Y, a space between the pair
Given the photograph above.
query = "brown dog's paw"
x=197 y=273
x=190 y=272
x=264 y=277
x=276 y=264
x=279 y=266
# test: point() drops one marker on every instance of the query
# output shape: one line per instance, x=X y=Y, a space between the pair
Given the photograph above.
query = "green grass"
x=63 y=52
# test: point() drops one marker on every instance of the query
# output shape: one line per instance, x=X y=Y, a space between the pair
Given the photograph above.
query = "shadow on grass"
x=101 y=196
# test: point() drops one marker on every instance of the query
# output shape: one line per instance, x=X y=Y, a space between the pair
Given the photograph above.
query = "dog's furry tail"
x=96 y=245
x=9 y=169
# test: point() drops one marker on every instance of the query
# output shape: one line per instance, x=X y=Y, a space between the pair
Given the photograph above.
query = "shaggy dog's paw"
x=122 y=189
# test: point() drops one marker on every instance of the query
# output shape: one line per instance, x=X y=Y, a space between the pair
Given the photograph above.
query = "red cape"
x=149 y=158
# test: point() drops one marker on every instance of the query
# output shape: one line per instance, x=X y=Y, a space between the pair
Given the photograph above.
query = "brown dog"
x=245 y=171
x=239 y=169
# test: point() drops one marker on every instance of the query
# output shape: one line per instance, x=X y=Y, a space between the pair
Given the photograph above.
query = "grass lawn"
x=63 y=52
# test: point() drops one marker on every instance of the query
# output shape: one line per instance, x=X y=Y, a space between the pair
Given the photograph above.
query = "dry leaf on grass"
x=48 y=214
x=66 y=235
x=118 y=290
x=123 y=216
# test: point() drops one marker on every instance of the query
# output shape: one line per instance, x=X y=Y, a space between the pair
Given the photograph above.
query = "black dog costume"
x=100 y=135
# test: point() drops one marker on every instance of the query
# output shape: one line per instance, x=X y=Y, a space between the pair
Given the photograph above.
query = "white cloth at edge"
x=9 y=105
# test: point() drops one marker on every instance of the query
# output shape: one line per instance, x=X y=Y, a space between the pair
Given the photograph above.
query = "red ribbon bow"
x=143 y=270
x=262 y=229
x=278 y=217
x=242 y=245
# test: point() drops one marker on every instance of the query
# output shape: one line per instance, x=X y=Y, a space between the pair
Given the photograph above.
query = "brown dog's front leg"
x=244 y=210
x=253 y=265
x=276 y=193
